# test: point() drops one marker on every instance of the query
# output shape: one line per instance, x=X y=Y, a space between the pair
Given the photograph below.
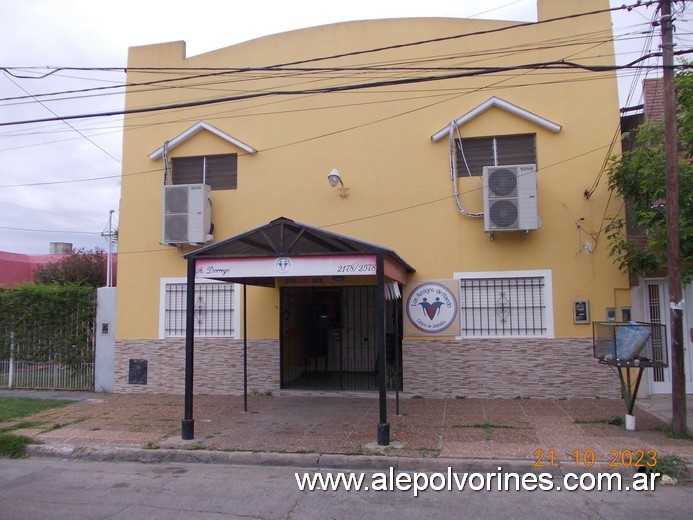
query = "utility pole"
x=109 y=259
x=678 y=376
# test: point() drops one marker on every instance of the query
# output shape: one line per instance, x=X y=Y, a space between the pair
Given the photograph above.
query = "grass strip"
x=13 y=446
x=17 y=407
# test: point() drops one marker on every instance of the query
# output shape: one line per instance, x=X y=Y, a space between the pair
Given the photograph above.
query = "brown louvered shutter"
x=516 y=149
x=477 y=152
x=473 y=155
x=186 y=170
x=221 y=172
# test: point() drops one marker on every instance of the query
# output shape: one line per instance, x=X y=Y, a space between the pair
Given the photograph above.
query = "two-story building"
x=424 y=195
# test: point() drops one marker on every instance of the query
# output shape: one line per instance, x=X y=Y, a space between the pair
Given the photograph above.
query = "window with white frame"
x=215 y=309
x=505 y=303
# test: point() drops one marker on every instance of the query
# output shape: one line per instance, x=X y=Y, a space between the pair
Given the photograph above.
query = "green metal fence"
x=48 y=344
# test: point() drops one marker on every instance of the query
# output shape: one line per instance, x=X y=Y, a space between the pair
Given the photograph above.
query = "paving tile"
x=506 y=420
x=514 y=436
x=464 y=417
x=418 y=439
x=525 y=451
x=468 y=450
x=338 y=424
x=464 y=435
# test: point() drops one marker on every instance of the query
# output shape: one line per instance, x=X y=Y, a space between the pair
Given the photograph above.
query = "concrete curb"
x=153 y=456
x=312 y=461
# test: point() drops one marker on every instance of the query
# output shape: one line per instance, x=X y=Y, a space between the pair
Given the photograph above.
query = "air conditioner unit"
x=187 y=214
x=510 y=198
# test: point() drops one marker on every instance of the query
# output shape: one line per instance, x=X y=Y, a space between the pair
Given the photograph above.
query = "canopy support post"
x=245 y=347
x=383 y=425
x=188 y=426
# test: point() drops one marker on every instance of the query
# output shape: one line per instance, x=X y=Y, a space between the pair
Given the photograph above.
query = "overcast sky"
x=58 y=181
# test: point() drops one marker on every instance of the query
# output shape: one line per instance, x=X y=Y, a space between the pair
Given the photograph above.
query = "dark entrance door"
x=328 y=338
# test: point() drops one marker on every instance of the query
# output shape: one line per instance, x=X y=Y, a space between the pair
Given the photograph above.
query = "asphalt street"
x=56 y=490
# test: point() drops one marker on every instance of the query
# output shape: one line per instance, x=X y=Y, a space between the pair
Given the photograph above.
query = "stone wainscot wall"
x=503 y=368
x=499 y=368
x=218 y=366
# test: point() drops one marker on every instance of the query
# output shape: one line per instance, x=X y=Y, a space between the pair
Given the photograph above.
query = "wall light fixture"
x=335 y=179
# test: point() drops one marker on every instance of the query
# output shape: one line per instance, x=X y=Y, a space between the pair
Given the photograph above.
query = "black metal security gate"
x=328 y=338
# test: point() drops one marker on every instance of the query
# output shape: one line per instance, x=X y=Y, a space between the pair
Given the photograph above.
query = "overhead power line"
x=467 y=35
x=340 y=69
x=552 y=65
x=404 y=69
x=225 y=72
x=68 y=124
x=70 y=181
x=355 y=53
x=51 y=231
x=394 y=46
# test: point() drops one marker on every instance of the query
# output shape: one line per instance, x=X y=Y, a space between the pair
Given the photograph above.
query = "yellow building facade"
x=470 y=151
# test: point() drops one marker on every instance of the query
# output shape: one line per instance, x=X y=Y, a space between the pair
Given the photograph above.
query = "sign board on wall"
x=299 y=266
x=431 y=308
x=342 y=265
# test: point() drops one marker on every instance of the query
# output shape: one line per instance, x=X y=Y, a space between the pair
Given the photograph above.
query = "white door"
x=657 y=311
x=688 y=337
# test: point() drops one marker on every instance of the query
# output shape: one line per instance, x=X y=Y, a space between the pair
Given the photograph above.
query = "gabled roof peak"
x=286 y=237
x=194 y=130
x=504 y=105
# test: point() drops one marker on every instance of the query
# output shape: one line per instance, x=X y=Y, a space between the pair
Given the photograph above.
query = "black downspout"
x=188 y=427
x=383 y=425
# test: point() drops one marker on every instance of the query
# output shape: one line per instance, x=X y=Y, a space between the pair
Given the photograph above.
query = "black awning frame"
x=283 y=237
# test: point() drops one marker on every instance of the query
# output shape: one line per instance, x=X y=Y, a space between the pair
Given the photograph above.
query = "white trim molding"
x=194 y=130
x=504 y=105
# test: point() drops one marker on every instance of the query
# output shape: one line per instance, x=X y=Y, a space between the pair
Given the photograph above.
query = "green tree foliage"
x=82 y=266
x=639 y=177
x=48 y=322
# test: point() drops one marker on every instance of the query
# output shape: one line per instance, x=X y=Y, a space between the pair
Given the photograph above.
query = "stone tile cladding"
x=503 y=368
x=218 y=368
x=492 y=368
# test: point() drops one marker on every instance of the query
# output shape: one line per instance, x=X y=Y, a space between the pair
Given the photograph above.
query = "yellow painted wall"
x=380 y=140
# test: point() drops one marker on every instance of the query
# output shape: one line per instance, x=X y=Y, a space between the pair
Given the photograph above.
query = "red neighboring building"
x=16 y=268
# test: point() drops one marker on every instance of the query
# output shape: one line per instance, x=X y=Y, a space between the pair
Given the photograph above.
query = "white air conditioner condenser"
x=187 y=214
x=510 y=198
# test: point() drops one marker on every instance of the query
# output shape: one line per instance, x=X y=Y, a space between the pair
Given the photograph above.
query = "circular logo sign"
x=431 y=307
x=282 y=265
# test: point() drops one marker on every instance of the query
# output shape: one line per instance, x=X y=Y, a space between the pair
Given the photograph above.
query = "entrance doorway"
x=657 y=311
x=328 y=338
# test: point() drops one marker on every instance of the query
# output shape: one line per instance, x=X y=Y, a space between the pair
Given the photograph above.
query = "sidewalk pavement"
x=333 y=430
